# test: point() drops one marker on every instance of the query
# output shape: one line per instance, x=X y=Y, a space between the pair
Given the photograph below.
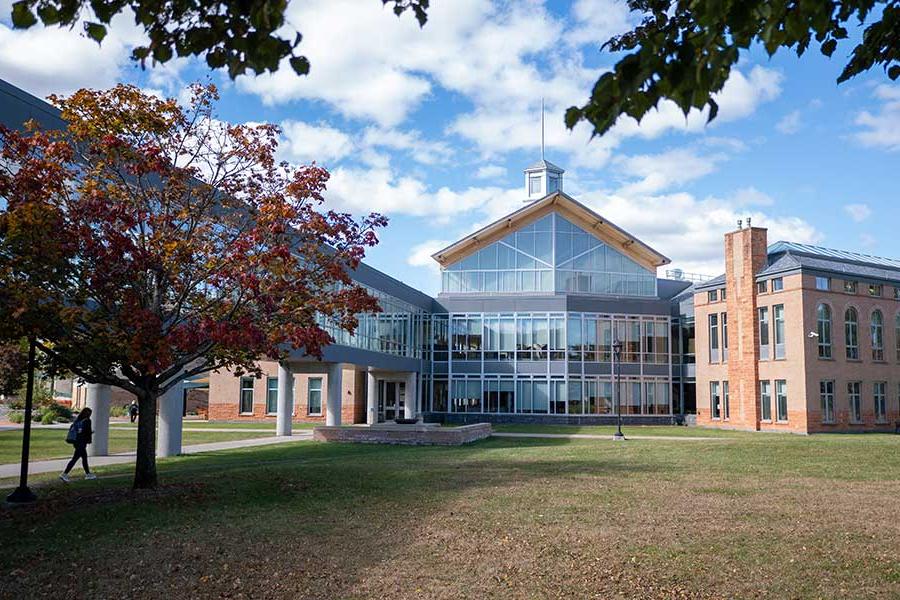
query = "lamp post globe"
x=617 y=355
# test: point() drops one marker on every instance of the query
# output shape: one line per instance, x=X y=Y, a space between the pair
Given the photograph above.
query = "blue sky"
x=433 y=127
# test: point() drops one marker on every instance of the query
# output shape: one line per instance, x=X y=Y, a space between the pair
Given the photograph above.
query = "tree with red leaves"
x=150 y=242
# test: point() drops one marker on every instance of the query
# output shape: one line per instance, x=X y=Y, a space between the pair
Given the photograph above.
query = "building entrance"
x=391 y=400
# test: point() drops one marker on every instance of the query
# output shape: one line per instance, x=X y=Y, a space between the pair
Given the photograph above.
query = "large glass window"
x=714 y=338
x=314 y=396
x=271 y=395
x=557 y=337
x=499 y=396
x=576 y=397
x=598 y=398
x=764 y=333
x=854 y=402
x=851 y=333
x=558 y=397
x=778 y=316
x=765 y=400
x=715 y=401
x=826 y=398
x=523 y=262
x=466 y=395
x=823 y=328
x=781 y=399
x=246 y=395
x=877 y=336
x=878 y=395
x=440 y=395
x=575 y=337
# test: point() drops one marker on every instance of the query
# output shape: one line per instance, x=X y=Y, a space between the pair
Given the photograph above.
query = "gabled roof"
x=544 y=164
x=832 y=254
x=578 y=213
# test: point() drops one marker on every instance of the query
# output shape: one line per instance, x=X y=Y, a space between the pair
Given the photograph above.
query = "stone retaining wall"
x=432 y=436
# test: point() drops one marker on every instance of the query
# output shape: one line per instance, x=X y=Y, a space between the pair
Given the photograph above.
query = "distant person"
x=133 y=410
x=80 y=435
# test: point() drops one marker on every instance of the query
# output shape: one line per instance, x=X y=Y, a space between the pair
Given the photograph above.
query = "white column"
x=371 y=398
x=171 y=406
x=98 y=398
x=411 y=406
x=285 y=400
x=335 y=393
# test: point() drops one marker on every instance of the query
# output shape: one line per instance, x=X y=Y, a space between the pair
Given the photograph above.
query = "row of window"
x=776 y=284
x=876 y=290
x=851 y=333
x=552 y=336
x=313 y=396
x=554 y=396
x=854 y=401
x=720 y=408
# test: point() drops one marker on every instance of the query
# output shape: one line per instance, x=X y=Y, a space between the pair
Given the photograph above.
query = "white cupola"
x=542 y=178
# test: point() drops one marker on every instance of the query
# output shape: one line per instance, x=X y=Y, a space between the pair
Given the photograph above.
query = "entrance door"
x=391 y=400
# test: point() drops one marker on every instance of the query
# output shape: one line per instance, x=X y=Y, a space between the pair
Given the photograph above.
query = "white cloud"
x=658 y=172
x=598 y=20
x=303 y=143
x=789 y=123
x=490 y=172
x=858 y=212
x=57 y=60
x=695 y=240
x=881 y=129
x=750 y=196
x=421 y=150
x=867 y=240
x=420 y=254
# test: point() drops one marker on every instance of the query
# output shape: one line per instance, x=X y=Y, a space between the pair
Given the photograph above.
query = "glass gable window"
x=551 y=254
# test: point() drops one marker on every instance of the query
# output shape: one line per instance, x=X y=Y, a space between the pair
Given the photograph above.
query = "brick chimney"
x=745 y=256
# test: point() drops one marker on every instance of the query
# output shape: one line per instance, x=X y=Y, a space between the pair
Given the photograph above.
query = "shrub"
x=48 y=411
x=17 y=403
x=118 y=411
x=16 y=416
x=48 y=418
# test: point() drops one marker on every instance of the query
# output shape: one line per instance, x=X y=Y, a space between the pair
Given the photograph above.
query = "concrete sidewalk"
x=58 y=464
x=591 y=436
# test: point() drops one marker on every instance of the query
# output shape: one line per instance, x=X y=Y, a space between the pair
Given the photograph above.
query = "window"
x=851 y=286
x=826 y=397
x=715 y=407
x=246 y=395
x=777 y=284
x=880 y=402
x=714 y=338
x=724 y=337
x=765 y=400
x=762 y=287
x=725 y=405
x=823 y=283
x=851 y=333
x=877 y=336
x=897 y=335
x=764 y=333
x=781 y=399
x=534 y=184
x=823 y=328
x=875 y=289
x=712 y=295
x=778 y=315
x=853 y=402
x=722 y=295
x=896 y=293
x=271 y=395
x=552 y=184
x=314 y=396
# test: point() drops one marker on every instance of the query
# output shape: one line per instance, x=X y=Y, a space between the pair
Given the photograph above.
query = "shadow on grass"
x=267 y=509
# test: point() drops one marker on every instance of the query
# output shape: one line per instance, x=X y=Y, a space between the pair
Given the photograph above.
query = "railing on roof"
x=684 y=276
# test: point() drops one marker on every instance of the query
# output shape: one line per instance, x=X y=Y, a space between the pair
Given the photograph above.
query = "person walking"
x=80 y=435
x=133 y=410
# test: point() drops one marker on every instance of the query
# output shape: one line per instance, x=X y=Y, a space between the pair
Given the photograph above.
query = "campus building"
x=522 y=330
x=798 y=338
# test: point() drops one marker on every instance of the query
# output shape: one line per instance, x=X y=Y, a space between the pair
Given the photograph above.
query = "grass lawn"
x=51 y=443
x=764 y=516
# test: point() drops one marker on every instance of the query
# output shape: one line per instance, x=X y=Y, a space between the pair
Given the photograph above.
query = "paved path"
x=57 y=465
x=591 y=436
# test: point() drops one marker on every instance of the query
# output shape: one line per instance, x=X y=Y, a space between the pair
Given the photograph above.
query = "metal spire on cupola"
x=543 y=177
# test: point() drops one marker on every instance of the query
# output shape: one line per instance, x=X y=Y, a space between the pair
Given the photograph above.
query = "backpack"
x=72 y=435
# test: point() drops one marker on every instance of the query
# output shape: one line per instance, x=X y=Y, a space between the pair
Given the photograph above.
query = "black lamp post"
x=22 y=494
x=617 y=356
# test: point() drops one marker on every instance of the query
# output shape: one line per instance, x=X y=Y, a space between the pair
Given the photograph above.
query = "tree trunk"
x=145 y=465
